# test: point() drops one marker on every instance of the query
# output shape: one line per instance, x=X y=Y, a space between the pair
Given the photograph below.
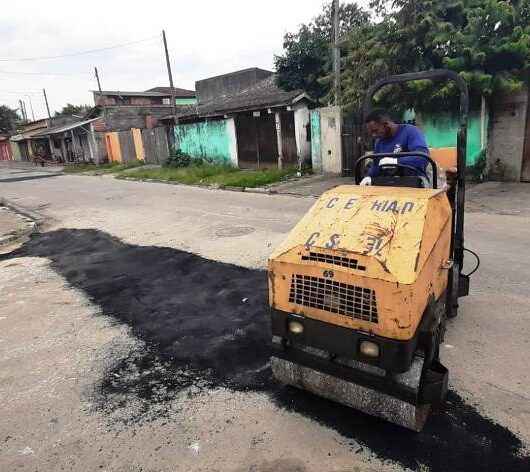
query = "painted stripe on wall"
x=316 y=154
x=210 y=140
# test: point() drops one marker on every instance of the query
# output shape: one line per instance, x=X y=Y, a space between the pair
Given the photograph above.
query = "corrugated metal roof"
x=118 y=93
x=62 y=129
x=27 y=135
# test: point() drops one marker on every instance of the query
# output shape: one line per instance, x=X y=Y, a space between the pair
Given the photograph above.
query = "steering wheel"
x=397 y=168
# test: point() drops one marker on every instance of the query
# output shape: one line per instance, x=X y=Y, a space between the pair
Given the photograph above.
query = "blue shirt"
x=407 y=139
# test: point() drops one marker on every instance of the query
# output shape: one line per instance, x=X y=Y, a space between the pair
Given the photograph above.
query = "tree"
x=306 y=62
x=486 y=41
x=8 y=119
x=70 y=109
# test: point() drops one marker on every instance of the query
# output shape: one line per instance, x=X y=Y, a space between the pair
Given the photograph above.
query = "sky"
x=205 y=38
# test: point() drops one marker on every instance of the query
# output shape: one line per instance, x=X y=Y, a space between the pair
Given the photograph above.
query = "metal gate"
x=525 y=172
x=351 y=146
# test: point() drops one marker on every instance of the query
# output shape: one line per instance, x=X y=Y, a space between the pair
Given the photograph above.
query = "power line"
x=43 y=73
x=80 y=53
x=20 y=92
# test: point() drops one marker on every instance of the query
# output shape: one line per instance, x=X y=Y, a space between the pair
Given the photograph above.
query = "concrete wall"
x=331 y=139
x=109 y=100
x=15 y=151
x=211 y=140
x=507 y=136
x=301 y=125
x=441 y=132
x=122 y=118
x=316 y=151
x=232 y=137
x=229 y=84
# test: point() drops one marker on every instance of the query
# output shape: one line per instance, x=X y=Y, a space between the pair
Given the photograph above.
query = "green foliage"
x=220 y=175
x=486 y=41
x=306 y=62
x=70 y=109
x=8 y=119
x=178 y=159
x=108 y=168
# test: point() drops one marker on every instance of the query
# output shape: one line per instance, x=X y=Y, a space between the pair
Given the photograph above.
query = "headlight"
x=369 y=349
x=296 y=327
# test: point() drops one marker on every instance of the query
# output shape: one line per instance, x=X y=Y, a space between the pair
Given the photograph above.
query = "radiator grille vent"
x=333 y=259
x=335 y=297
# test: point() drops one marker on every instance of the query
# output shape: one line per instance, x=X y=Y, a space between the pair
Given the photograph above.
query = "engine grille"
x=335 y=297
x=333 y=259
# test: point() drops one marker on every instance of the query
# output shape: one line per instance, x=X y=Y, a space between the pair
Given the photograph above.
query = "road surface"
x=134 y=338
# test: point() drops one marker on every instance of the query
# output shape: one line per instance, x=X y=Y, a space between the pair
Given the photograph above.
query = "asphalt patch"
x=205 y=324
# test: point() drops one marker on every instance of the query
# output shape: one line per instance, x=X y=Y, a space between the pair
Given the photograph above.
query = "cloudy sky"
x=205 y=38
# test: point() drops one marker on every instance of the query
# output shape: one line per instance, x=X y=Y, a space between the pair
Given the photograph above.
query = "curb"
x=259 y=190
x=36 y=217
x=32 y=219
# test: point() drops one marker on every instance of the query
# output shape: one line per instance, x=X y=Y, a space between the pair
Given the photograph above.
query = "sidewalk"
x=501 y=198
x=16 y=171
x=25 y=165
x=13 y=227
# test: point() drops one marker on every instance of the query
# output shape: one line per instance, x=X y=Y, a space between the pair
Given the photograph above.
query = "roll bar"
x=458 y=199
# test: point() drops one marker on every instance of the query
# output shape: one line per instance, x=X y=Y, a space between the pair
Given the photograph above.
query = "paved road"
x=96 y=370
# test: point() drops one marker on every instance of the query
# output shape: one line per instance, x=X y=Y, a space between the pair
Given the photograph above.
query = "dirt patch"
x=13 y=228
x=205 y=325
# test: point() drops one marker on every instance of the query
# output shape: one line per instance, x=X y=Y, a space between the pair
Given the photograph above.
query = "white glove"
x=385 y=161
x=366 y=181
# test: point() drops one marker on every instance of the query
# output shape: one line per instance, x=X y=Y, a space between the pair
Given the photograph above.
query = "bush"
x=178 y=159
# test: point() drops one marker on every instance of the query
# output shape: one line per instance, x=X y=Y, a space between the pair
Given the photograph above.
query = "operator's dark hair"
x=378 y=115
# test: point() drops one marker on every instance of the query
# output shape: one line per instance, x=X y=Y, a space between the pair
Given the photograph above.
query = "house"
x=123 y=111
x=245 y=119
x=62 y=138
x=71 y=142
x=129 y=127
x=24 y=146
x=5 y=148
x=182 y=96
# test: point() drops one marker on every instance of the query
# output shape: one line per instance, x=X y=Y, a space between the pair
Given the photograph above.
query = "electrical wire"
x=80 y=53
x=478 y=261
x=45 y=73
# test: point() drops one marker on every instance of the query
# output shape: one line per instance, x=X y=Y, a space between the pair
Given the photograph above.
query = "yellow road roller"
x=361 y=289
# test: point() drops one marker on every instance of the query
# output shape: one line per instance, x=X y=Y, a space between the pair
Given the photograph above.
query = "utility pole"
x=336 y=52
x=47 y=108
x=170 y=75
x=31 y=107
x=25 y=111
x=22 y=111
x=97 y=78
